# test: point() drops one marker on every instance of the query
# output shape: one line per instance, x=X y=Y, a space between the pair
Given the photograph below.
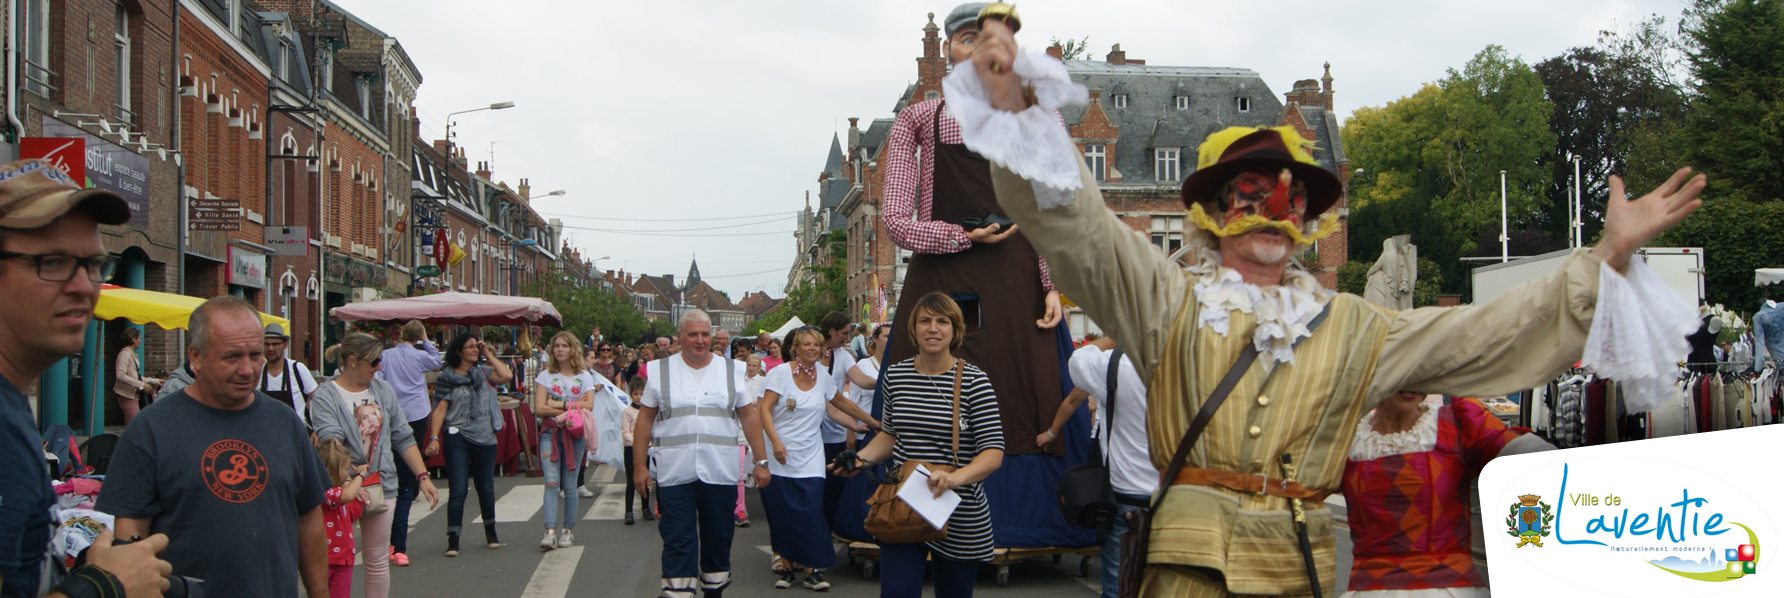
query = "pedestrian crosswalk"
x=518 y=505
x=556 y=570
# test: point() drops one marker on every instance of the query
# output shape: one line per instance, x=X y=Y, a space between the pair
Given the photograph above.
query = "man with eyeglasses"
x=51 y=265
x=287 y=381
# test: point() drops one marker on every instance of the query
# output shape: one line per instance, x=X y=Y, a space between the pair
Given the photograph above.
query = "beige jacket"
x=129 y=375
x=1309 y=409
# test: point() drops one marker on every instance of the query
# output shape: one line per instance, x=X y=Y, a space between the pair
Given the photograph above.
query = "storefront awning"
x=166 y=310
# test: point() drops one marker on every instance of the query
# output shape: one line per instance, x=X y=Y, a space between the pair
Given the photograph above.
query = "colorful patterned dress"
x=1407 y=498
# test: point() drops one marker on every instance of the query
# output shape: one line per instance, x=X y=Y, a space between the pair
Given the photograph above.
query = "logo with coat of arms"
x=1530 y=520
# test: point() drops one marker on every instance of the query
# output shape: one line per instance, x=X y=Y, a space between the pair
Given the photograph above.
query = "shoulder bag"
x=1086 y=496
x=889 y=519
x=1136 y=539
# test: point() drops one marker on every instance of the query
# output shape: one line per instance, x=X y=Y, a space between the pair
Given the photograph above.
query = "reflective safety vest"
x=666 y=411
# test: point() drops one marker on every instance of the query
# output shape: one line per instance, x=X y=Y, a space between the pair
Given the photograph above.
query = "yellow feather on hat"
x=1216 y=144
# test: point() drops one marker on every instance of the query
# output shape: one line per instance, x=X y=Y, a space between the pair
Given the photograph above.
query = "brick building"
x=103 y=71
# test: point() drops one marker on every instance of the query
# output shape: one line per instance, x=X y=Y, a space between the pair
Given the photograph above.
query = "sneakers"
x=550 y=540
x=743 y=522
x=451 y=544
x=814 y=581
x=585 y=492
x=399 y=559
x=629 y=519
x=489 y=534
x=566 y=539
x=786 y=580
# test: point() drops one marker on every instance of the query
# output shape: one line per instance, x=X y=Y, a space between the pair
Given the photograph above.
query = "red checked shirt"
x=905 y=179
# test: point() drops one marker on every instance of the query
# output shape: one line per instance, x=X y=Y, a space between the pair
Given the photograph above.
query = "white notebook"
x=915 y=492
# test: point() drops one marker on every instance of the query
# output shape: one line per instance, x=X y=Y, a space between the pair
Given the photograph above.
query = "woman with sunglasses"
x=796 y=395
x=467 y=410
x=603 y=363
x=363 y=413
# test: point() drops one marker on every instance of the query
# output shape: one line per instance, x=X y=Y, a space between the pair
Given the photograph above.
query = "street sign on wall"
x=288 y=240
x=214 y=214
x=109 y=167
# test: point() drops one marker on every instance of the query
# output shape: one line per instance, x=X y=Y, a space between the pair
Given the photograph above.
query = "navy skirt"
x=796 y=521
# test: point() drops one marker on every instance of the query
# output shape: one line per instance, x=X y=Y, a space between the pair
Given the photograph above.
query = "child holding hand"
x=342 y=506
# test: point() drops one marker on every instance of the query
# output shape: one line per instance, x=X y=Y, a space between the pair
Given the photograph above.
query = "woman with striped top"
x=918 y=423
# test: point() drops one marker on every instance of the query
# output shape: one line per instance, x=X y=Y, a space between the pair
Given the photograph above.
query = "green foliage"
x=1736 y=123
x=1353 y=277
x=583 y=308
x=1609 y=99
x=811 y=300
x=1073 y=49
x=1431 y=161
x=1737 y=237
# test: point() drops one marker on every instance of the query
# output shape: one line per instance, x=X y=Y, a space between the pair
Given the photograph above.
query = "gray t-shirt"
x=227 y=487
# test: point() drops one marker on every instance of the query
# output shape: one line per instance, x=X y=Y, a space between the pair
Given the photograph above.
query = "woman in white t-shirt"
x=866 y=372
x=795 y=395
x=563 y=386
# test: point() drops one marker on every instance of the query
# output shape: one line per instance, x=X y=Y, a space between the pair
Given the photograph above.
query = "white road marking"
x=610 y=505
x=556 y=569
x=419 y=510
x=518 y=505
x=603 y=474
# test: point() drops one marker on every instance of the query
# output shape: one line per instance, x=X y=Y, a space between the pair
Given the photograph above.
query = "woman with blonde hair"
x=362 y=412
x=562 y=392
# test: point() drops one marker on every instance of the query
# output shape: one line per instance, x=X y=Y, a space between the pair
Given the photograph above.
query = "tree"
x=582 y=308
x=1607 y=99
x=1073 y=49
x=1736 y=123
x=1737 y=236
x=1430 y=162
x=810 y=301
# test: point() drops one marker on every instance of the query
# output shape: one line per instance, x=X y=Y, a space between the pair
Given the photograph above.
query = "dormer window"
x=1167 y=167
x=1244 y=104
x=1121 y=100
x=1182 y=102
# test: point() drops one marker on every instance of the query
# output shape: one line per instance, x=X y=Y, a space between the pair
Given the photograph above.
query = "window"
x=1095 y=159
x=122 y=52
x=1245 y=104
x=1167 y=233
x=1165 y=166
x=1182 y=102
x=363 y=87
x=286 y=56
x=36 y=44
x=1121 y=100
x=328 y=70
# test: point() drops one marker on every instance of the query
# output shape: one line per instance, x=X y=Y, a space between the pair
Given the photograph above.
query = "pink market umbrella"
x=454 y=308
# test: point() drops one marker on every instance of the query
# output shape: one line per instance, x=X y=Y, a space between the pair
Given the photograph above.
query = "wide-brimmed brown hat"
x=1229 y=152
x=34 y=193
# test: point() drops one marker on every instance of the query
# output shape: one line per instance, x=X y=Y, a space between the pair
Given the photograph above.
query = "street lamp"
x=551 y=194
x=495 y=106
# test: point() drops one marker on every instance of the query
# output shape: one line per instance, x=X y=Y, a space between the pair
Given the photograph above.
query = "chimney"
x=854 y=134
x=483 y=170
x=1116 y=56
x=932 y=66
x=1325 y=87
x=414 y=123
x=526 y=190
x=458 y=158
x=1056 y=52
x=439 y=146
x=670 y=278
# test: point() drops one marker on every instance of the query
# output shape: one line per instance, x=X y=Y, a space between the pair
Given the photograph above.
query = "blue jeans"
x=1111 y=537
x=686 y=507
x=901 y=573
x=407 y=489
x=463 y=460
x=554 y=473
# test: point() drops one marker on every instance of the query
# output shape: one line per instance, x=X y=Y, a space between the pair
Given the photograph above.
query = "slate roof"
x=1152 y=119
x=875 y=136
x=299 y=70
x=833 y=164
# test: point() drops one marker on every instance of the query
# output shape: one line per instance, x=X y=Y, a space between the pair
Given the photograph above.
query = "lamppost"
x=495 y=106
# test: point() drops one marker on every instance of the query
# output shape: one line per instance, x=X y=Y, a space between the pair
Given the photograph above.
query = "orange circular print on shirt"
x=233 y=470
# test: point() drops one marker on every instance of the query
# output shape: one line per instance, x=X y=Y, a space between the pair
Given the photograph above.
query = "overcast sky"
x=724 y=111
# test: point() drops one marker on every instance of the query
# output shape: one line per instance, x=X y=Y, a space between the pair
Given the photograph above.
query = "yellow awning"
x=166 y=310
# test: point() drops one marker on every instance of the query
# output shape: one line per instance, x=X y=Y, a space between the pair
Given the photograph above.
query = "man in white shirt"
x=690 y=416
x=1130 y=463
x=280 y=368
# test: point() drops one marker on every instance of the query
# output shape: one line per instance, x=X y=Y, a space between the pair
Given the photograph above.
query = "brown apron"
x=1021 y=359
x=284 y=395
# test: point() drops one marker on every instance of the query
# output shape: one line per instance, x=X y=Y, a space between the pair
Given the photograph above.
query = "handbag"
x=1136 y=539
x=889 y=518
x=372 y=489
x=1086 y=496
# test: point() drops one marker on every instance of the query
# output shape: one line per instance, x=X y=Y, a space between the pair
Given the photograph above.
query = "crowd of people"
x=214 y=477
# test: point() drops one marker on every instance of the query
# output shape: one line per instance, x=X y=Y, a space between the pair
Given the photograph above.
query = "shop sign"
x=108 y=167
x=247 y=268
x=288 y=240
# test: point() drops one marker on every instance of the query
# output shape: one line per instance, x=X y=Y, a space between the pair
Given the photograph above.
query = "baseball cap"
x=34 y=193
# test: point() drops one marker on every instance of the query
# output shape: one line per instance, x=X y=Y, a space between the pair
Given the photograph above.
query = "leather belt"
x=1253 y=483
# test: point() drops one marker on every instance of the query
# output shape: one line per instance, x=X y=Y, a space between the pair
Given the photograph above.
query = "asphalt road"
x=613 y=559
